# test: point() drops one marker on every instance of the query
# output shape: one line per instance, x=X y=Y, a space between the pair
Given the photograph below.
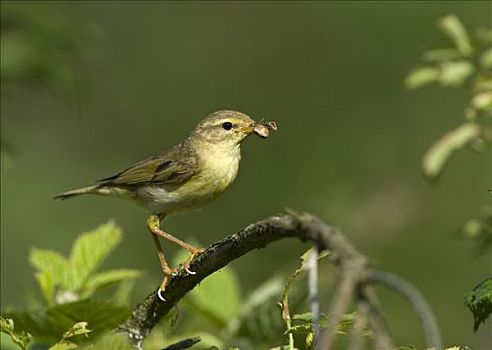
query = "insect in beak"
x=263 y=129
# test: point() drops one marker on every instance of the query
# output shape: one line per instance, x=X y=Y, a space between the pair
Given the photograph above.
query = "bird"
x=187 y=176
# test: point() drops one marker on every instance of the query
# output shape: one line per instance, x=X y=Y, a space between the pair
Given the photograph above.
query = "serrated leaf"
x=51 y=324
x=79 y=328
x=51 y=268
x=479 y=301
x=454 y=29
x=47 y=260
x=22 y=339
x=439 y=153
x=106 y=279
x=454 y=73
x=89 y=251
x=47 y=285
x=422 y=76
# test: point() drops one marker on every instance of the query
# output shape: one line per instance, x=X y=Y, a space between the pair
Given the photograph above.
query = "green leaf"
x=486 y=58
x=52 y=323
x=479 y=301
x=445 y=54
x=89 y=251
x=422 y=76
x=106 y=279
x=479 y=229
x=220 y=289
x=51 y=268
x=123 y=293
x=454 y=73
x=259 y=311
x=22 y=339
x=302 y=323
x=482 y=101
x=266 y=292
x=454 y=29
x=65 y=345
x=439 y=153
x=111 y=341
x=79 y=328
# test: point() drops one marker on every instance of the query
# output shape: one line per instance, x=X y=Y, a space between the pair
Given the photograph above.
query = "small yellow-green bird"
x=187 y=176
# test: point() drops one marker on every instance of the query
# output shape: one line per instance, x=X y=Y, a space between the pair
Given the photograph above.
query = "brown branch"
x=354 y=272
x=258 y=235
x=382 y=338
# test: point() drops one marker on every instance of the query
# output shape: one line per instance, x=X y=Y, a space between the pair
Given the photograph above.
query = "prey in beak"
x=262 y=129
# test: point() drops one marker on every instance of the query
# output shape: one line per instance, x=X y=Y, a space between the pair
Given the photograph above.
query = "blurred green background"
x=120 y=81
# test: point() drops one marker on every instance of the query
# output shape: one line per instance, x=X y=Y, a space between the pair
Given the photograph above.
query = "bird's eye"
x=227 y=126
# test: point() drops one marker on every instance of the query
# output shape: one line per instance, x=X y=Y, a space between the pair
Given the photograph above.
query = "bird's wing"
x=173 y=167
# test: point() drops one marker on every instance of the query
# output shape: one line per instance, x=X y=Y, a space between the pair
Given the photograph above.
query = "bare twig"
x=356 y=335
x=418 y=302
x=313 y=294
x=355 y=275
x=382 y=338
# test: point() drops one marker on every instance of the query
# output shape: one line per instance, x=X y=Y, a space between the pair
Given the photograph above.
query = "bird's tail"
x=84 y=190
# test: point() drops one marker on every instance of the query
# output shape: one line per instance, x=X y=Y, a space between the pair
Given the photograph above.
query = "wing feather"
x=176 y=166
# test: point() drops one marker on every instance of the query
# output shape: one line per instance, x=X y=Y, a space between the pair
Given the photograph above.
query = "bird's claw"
x=159 y=294
x=188 y=271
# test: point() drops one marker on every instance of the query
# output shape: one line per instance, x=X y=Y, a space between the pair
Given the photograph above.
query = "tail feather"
x=77 y=192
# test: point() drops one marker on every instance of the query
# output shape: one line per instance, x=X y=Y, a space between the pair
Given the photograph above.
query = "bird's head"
x=224 y=128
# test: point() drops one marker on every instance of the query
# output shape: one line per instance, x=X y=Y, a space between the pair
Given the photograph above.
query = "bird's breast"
x=220 y=167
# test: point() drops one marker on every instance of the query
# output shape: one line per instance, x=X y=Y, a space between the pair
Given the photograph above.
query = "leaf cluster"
x=64 y=279
x=68 y=286
x=463 y=60
x=479 y=301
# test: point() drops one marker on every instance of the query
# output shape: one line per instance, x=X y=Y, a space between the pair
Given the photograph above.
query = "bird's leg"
x=154 y=225
x=153 y=222
x=192 y=249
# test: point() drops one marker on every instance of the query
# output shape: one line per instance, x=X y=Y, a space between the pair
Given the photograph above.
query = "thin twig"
x=313 y=294
x=339 y=305
x=382 y=338
x=420 y=305
x=356 y=335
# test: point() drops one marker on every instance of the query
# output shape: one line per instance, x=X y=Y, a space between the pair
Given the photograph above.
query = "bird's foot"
x=187 y=263
x=162 y=287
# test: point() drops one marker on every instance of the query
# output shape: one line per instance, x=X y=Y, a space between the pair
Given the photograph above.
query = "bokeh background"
x=118 y=81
